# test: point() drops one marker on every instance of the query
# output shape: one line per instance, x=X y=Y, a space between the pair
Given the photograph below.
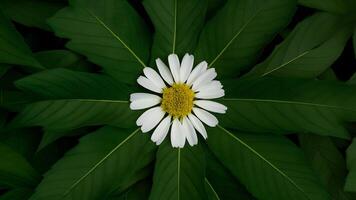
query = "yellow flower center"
x=177 y=100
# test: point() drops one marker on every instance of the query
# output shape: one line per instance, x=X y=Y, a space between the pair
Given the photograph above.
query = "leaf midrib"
x=285 y=64
x=290 y=102
x=265 y=160
x=75 y=184
x=116 y=37
x=212 y=188
x=233 y=38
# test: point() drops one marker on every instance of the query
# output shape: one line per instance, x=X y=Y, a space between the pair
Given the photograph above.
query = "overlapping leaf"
x=309 y=49
x=270 y=166
x=177 y=25
x=102 y=162
x=13 y=49
x=327 y=162
x=281 y=105
x=336 y=6
x=350 y=185
x=109 y=32
x=31 y=13
x=179 y=173
x=80 y=99
x=15 y=171
x=232 y=40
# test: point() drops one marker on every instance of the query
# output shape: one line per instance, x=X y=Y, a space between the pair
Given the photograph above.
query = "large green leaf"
x=222 y=181
x=233 y=39
x=13 y=49
x=3 y=69
x=64 y=84
x=350 y=185
x=280 y=105
x=15 y=171
x=336 y=6
x=139 y=191
x=63 y=115
x=210 y=191
x=102 y=162
x=31 y=13
x=309 y=49
x=327 y=162
x=270 y=166
x=177 y=25
x=179 y=173
x=62 y=59
x=109 y=32
x=14 y=100
x=79 y=99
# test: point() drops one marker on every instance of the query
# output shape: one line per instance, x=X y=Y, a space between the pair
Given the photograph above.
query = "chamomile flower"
x=181 y=102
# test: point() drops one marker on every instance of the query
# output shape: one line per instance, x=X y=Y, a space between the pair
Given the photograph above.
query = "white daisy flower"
x=181 y=101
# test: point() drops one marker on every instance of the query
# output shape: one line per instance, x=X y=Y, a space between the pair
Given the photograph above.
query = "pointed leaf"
x=15 y=171
x=232 y=40
x=177 y=25
x=350 y=185
x=327 y=162
x=285 y=106
x=31 y=13
x=109 y=32
x=100 y=163
x=63 y=84
x=179 y=173
x=13 y=49
x=311 y=48
x=270 y=166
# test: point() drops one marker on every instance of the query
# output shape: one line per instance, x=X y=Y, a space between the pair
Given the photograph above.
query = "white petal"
x=206 y=117
x=164 y=71
x=150 y=118
x=177 y=136
x=174 y=65
x=208 y=76
x=210 y=94
x=186 y=67
x=148 y=84
x=211 y=106
x=152 y=75
x=198 y=70
x=212 y=85
x=144 y=103
x=161 y=131
x=198 y=125
x=189 y=132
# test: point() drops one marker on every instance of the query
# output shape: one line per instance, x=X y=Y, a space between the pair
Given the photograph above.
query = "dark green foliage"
x=68 y=67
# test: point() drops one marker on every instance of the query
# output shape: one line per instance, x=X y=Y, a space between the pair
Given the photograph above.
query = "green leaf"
x=3 y=69
x=234 y=38
x=350 y=185
x=17 y=194
x=311 y=48
x=335 y=6
x=13 y=49
x=79 y=99
x=62 y=59
x=14 y=100
x=32 y=13
x=63 y=115
x=280 y=105
x=327 y=162
x=177 y=25
x=63 y=84
x=139 y=191
x=179 y=173
x=100 y=163
x=210 y=191
x=270 y=166
x=15 y=171
x=222 y=181
x=109 y=32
